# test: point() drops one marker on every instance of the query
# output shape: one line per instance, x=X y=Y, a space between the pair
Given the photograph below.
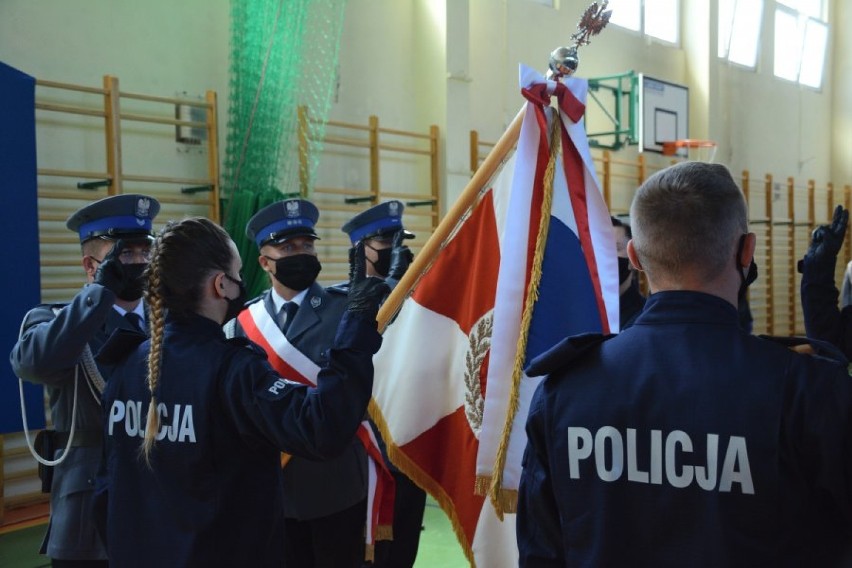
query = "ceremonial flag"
x=530 y=262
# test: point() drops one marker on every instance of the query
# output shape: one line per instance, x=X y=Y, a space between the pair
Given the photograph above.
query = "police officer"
x=381 y=230
x=630 y=299
x=325 y=502
x=56 y=349
x=823 y=319
x=196 y=423
x=684 y=440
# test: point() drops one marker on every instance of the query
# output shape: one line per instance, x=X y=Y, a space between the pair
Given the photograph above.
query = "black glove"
x=365 y=292
x=827 y=240
x=401 y=255
x=110 y=273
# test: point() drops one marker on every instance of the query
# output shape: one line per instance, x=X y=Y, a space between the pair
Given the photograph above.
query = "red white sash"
x=294 y=365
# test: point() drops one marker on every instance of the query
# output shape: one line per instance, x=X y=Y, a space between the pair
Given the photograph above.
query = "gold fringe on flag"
x=505 y=500
x=407 y=466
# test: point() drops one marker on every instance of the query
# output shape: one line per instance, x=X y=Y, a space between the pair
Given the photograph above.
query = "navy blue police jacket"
x=685 y=441
x=824 y=320
x=213 y=494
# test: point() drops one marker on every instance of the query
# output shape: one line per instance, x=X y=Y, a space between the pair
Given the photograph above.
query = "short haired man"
x=55 y=349
x=685 y=440
x=326 y=502
x=381 y=229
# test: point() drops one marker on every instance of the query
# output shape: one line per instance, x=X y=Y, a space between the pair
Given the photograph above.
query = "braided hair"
x=184 y=254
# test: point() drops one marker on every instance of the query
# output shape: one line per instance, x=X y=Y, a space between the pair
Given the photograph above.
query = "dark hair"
x=616 y=222
x=183 y=256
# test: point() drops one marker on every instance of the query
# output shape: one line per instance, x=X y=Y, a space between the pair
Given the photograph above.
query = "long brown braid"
x=183 y=256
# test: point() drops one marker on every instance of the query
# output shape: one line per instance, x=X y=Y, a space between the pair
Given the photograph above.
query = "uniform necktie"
x=285 y=317
x=135 y=320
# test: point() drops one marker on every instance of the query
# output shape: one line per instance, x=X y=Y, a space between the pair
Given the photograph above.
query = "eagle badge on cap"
x=143 y=208
x=292 y=208
x=393 y=208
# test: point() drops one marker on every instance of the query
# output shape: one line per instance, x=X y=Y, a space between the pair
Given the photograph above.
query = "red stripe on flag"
x=456 y=476
x=463 y=281
x=574 y=175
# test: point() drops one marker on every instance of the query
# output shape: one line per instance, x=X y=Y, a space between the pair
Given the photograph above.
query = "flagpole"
x=464 y=202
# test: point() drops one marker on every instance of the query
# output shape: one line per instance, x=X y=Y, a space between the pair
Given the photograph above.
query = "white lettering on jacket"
x=179 y=426
x=612 y=456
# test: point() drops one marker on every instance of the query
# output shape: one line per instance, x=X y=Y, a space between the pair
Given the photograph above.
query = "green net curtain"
x=283 y=54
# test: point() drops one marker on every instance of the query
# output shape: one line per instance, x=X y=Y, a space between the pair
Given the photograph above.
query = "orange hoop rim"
x=671 y=148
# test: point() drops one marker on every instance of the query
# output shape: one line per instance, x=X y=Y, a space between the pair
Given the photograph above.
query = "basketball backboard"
x=664 y=114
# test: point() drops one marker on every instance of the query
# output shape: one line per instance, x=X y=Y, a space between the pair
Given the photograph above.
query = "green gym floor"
x=438 y=544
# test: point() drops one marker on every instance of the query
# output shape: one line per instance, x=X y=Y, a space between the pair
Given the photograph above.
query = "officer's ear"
x=746 y=251
x=634 y=259
x=219 y=285
x=90 y=265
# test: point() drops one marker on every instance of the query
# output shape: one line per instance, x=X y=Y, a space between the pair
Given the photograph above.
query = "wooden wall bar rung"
x=346 y=142
x=70 y=87
x=406 y=133
x=165 y=100
x=68 y=109
x=72 y=173
x=160 y=120
x=163 y=179
x=403 y=149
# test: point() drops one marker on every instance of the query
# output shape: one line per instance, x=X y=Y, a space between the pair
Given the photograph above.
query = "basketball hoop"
x=692 y=149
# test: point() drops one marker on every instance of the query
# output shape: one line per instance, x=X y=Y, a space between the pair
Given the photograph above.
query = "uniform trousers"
x=333 y=541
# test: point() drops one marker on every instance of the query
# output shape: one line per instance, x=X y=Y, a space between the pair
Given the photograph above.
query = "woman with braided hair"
x=195 y=423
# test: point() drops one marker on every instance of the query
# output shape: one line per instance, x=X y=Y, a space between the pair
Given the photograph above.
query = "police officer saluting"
x=381 y=230
x=56 y=349
x=325 y=503
x=685 y=441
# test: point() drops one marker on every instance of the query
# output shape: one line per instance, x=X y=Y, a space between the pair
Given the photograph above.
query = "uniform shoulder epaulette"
x=569 y=349
x=41 y=313
x=339 y=288
x=809 y=346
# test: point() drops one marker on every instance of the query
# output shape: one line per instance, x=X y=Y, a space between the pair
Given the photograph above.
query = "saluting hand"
x=401 y=255
x=110 y=272
x=365 y=292
x=827 y=240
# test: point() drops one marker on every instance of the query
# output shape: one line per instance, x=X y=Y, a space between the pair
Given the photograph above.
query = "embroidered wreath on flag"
x=479 y=343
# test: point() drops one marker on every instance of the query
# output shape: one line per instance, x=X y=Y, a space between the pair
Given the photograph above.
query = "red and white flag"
x=531 y=262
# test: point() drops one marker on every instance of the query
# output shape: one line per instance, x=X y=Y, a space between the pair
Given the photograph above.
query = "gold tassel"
x=481 y=485
x=500 y=498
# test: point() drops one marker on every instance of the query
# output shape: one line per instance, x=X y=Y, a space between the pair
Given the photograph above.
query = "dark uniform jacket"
x=317 y=489
x=47 y=353
x=684 y=441
x=823 y=319
x=213 y=494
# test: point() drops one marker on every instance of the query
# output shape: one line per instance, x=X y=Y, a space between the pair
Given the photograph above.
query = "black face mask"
x=297 y=272
x=747 y=279
x=623 y=269
x=132 y=280
x=383 y=262
x=235 y=305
